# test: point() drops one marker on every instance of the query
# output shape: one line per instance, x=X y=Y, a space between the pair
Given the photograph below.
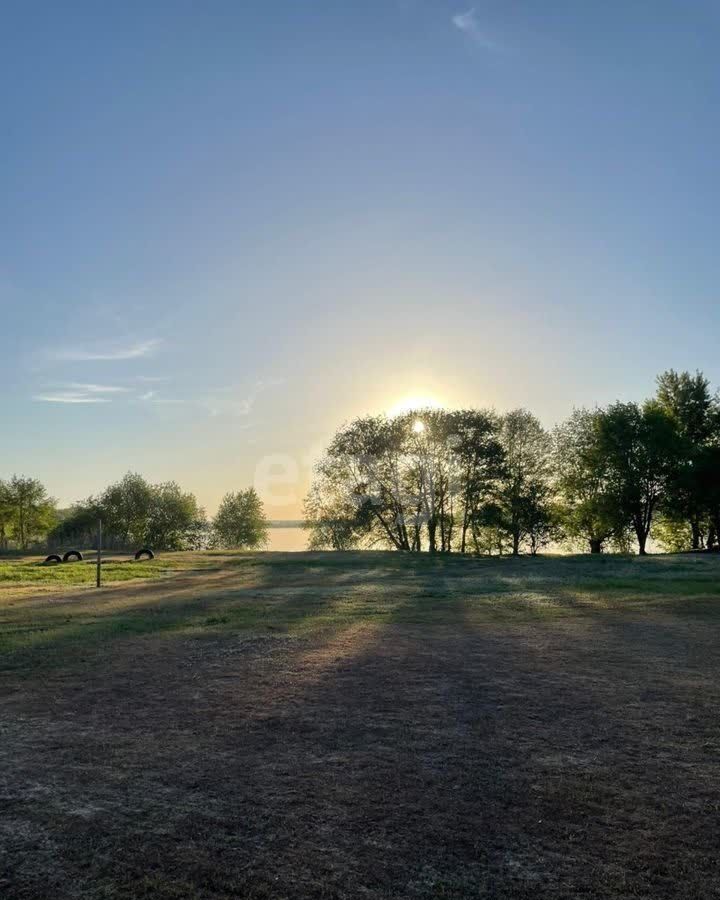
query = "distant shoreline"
x=286 y=523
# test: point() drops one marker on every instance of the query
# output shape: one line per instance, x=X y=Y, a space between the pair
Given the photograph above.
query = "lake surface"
x=287 y=539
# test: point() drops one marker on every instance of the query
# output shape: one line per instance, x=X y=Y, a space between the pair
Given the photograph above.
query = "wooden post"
x=99 y=553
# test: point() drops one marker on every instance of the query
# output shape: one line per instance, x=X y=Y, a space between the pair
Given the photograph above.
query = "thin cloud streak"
x=99 y=388
x=108 y=354
x=69 y=397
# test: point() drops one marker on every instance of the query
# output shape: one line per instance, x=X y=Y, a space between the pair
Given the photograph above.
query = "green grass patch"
x=77 y=573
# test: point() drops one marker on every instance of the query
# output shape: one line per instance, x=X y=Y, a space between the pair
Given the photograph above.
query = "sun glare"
x=418 y=426
x=414 y=401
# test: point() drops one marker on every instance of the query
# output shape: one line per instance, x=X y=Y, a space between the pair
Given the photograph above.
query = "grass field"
x=361 y=725
x=15 y=573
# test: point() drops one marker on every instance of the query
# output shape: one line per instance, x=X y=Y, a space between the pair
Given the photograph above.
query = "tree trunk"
x=714 y=533
x=595 y=545
x=695 y=526
x=516 y=544
x=432 y=526
x=642 y=540
x=463 y=532
x=711 y=538
x=475 y=539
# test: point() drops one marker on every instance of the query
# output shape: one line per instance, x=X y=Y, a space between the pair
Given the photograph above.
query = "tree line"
x=134 y=513
x=475 y=481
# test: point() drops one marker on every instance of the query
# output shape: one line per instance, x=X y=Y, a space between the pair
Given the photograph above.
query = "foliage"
x=469 y=480
x=672 y=535
x=136 y=513
x=640 y=447
x=524 y=494
x=421 y=481
x=27 y=512
x=696 y=416
x=175 y=520
x=331 y=517
x=240 y=522
x=586 y=505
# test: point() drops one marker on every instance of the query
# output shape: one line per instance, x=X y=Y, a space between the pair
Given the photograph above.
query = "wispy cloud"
x=69 y=397
x=98 y=388
x=467 y=23
x=230 y=401
x=159 y=399
x=108 y=352
x=80 y=393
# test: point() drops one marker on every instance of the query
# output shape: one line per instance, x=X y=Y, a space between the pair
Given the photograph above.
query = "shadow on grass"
x=306 y=594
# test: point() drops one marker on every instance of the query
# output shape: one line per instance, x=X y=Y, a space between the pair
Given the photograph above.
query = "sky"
x=226 y=228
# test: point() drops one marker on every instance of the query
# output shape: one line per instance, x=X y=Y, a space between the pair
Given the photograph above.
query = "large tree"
x=240 y=522
x=365 y=472
x=586 y=503
x=125 y=508
x=641 y=449
x=331 y=517
x=687 y=400
x=477 y=459
x=30 y=511
x=524 y=496
x=414 y=482
x=175 y=521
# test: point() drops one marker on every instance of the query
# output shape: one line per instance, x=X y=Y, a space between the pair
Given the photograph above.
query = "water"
x=287 y=539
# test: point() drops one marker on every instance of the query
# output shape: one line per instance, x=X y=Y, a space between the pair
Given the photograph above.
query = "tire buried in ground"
x=52 y=560
x=72 y=556
x=145 y=553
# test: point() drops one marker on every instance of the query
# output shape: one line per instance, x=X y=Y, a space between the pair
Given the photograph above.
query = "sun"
x=414 y=401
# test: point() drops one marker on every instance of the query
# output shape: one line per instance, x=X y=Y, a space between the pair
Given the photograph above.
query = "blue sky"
x=226 y=228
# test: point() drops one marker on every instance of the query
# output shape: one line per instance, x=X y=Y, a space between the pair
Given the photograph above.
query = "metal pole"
x=99 y=553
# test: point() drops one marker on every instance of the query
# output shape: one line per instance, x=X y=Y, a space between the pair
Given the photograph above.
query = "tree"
x=540 y=517
x=175 y=520
x=368 y=465
x=453 y=460
x=6 y=515
x=640 y=446
x=125 y=508
x=136 y=513
x=686 y=399
x=707 y=465
x=78 y=526
x=413 y=482
x=240 y=521
x=30 y=510
x=333 y=520
x=477 y=460
x=525 y=485
x=586 y=504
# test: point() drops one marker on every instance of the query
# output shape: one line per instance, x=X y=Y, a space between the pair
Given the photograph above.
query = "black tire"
x=72 y=555
x=52 y=560
x=145 y=553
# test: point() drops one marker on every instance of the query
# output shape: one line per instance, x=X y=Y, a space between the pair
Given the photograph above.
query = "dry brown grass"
x=375 y=727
